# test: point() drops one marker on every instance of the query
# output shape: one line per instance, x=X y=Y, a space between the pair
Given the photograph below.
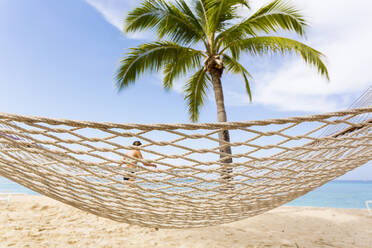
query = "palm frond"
x=234 y=66
x=150 y=56
x=202 y=15
x=270 y=44
x=277 y=16
x=166 y=19
x=196 y=92
x=231 y=35
x=189 y=13
x=223 y=11
x=185 y=62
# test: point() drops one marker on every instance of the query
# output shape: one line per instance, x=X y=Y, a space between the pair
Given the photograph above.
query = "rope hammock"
x=274 y=161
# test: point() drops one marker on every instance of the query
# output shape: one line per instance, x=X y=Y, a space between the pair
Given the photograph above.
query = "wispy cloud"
x=115 y=11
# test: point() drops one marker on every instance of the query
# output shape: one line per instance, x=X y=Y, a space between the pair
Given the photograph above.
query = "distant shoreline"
x=351 y=181
x=340 y=194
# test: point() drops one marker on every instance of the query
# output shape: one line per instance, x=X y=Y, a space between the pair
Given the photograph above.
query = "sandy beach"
x=37 y=221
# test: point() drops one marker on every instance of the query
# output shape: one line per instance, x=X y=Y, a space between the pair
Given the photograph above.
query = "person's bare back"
x=134 y=154
x=132 y=165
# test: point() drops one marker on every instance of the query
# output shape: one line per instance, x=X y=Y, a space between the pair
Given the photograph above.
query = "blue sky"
x=58 y=59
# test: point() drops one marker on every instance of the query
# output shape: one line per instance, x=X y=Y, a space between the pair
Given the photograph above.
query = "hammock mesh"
x=274 y=161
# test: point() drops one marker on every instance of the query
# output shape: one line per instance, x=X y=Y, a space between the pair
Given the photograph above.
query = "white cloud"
x=115 y=11
x=339 y=29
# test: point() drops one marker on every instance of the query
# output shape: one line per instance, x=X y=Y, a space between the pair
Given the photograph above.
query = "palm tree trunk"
x=224 y=135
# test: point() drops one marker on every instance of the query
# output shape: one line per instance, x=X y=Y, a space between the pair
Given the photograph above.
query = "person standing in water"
x=135 y=153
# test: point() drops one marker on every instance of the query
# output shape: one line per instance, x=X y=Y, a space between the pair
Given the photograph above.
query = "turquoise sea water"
x=7 y=186
x=336 y=194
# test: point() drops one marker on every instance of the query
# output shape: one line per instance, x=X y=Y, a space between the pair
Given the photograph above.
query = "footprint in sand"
x=35 y=206
x=44 y=208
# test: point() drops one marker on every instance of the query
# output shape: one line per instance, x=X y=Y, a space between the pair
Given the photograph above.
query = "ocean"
x=335 y=194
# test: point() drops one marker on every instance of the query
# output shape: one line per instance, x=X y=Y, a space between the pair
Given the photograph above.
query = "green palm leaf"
x=152 y=56
x=188 y=12
x=166 y=19
x=276 y=16
x=234 y=66
x=223 y=11
x=259 y=46
x=185 y=62
x=196 y=92
x=202 y=15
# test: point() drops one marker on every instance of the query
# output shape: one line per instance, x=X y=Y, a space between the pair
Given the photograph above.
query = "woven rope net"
x=274 y=161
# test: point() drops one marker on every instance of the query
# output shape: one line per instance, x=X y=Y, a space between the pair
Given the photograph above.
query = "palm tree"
x=206 y=38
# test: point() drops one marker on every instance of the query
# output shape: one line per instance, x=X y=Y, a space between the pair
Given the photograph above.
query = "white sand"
x=36 y=221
